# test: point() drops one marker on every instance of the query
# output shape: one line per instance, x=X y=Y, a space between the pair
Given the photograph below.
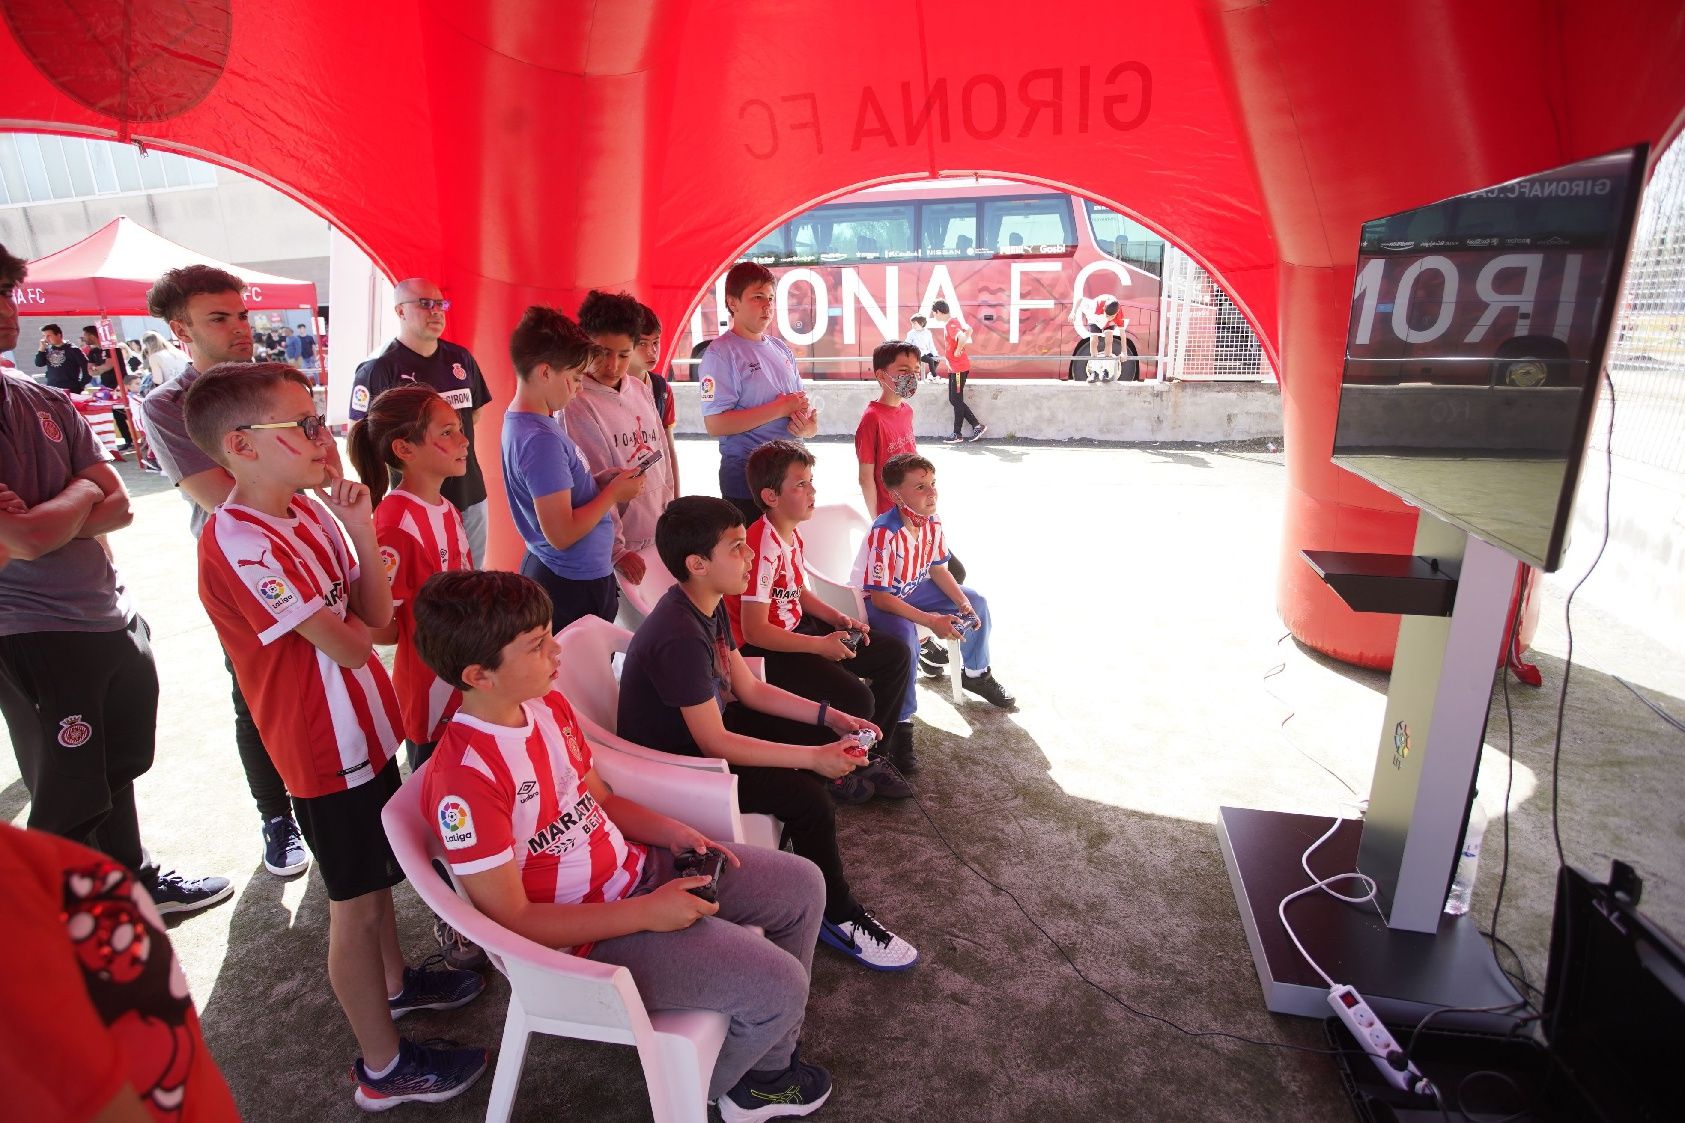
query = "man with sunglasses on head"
x=206 y=309
x=418 y=354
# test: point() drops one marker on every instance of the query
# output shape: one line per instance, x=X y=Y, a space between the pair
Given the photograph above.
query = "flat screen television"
x=1476 y=344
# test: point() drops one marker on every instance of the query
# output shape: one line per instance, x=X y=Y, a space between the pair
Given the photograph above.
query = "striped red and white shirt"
x=899 y=551
x=418 y=539
x=777 y=580
x=497 y=794
x=328 y=728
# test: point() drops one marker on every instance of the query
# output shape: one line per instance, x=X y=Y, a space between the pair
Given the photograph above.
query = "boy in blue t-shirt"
x=558 y=507
x=751 y=391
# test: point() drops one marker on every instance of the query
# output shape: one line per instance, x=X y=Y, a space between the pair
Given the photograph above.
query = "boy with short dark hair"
x=543 y=847
x=904 y=572
x=293 y=607
x=558 y=506
x=614 y=421
x=919 y=336
x=956 y=339
x=645 y=354
x=804 y=641
x=66 y=366
x=886 y=427
x=685 y=689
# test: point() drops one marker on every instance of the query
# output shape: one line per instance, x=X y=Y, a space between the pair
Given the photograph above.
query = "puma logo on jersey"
x=261 y=561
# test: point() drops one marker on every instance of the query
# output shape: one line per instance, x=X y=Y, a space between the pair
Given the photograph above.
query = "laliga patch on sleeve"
x=708 y=388
x=389 y=562
x=456 y=825
x=360 y=398
x=276 y=594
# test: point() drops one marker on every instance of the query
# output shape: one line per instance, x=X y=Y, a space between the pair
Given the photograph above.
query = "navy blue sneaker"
x=435 y=985
x=283 y=847
x=172 y=892
x=429 y=1072
x=799 y=1090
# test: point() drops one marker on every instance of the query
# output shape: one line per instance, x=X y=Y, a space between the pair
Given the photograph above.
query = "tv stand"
x=1453 y=592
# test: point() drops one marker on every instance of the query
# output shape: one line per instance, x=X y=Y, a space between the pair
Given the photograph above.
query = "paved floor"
x=1133 y=590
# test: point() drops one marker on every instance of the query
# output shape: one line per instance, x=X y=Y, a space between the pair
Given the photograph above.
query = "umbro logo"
x=526 y=791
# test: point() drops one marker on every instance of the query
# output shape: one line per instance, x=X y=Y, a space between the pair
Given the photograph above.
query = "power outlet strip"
x=1377 y=1041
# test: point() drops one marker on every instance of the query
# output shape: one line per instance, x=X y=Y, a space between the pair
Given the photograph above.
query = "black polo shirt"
x=677 y=658
x=450 y=370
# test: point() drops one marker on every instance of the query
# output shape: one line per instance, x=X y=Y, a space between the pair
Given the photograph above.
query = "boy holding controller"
x=903 y=570
x=543 y=847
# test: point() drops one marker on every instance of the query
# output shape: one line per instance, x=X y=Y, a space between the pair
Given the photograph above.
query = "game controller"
x=649 y=461
x=864 y=739
x=851 y=639
x=968 y=622
x=701 y=863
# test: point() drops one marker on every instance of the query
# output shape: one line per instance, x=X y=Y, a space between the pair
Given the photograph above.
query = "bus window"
x=1040 y=224
x=847 y=233
x=1125 y=239
x=770 y=250
x=947 y=229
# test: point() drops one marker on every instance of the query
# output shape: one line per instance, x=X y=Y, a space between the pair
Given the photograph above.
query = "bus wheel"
x=1131 y=365
x=696 y=354
x=1078 y=372
x=1527 y=363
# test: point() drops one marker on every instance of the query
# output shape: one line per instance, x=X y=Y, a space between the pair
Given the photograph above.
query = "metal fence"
x=1202 y=335
x=1647 y=357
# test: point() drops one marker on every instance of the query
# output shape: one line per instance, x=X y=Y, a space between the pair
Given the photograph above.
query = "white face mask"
x=906 y=385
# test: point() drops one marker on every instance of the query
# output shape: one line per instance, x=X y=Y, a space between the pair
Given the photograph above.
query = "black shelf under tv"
x=1401 y=583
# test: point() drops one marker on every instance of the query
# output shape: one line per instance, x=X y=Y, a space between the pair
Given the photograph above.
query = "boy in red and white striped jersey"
x=542 y=846
x=903 y=570
x=293 y=606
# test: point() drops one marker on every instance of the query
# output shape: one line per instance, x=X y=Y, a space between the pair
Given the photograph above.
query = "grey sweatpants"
x=759 y=982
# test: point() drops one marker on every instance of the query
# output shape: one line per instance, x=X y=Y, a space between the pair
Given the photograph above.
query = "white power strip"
x=1377 y=1041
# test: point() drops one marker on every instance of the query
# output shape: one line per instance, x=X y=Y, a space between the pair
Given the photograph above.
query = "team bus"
x=1009 y=258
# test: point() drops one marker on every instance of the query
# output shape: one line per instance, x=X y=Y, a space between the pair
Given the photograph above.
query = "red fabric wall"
x=522 y=150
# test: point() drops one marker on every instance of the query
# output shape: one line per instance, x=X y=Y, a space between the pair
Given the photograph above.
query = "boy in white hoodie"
x=615 y=423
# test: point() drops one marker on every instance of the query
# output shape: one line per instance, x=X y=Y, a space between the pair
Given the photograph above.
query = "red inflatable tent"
x=108 y=272
x=527 y=150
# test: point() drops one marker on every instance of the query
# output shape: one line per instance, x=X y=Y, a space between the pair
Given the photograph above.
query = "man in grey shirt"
x=78 y=685
x=206 y=308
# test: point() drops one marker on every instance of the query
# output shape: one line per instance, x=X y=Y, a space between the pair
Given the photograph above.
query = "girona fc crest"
x=74 y=732
x=461 y=374
x=575 y=756
x=50 y=428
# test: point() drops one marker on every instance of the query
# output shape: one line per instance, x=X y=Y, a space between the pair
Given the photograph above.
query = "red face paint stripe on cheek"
x=286 y=444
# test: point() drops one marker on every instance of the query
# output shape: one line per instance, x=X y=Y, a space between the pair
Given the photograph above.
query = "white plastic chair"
x=637 y=600
x=557 y=993
x=586 y=678
x=831 y=542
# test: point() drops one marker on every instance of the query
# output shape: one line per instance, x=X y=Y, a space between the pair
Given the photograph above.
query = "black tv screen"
x=1475 y=348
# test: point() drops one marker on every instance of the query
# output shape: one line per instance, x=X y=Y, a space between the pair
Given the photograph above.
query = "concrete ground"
x=1133 y=591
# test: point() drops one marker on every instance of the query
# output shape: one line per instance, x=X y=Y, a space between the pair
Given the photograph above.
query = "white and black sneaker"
x=869 y=942
x=172 y=892
x=284 y=854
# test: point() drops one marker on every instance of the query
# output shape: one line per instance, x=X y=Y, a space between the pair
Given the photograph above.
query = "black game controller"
x=701 y=863
x=851 y=639
x=649 y=461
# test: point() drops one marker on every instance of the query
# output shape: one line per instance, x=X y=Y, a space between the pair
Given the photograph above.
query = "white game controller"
x=1378 y=1041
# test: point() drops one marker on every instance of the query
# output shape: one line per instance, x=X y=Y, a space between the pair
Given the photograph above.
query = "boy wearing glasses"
x=418 y=354
x=294 y=606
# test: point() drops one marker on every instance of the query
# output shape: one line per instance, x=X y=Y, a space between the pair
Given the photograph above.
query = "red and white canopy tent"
x=108 y=272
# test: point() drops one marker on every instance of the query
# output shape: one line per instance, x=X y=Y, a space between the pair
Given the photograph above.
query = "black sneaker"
x=931 y=650
x=953 y=440
x=851 y=789
x=172 y=892
x=900 y=750
x=427 y=1072
x=885 y=779
x=435 y=985
x=799 y=1090
x=977 y=433
x=283 y=847
x=986 y=688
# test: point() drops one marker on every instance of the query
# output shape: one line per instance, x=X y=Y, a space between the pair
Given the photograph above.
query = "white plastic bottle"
x=1462 y=884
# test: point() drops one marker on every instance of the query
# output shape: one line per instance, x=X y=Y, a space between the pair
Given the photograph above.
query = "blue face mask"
x=906 y=385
